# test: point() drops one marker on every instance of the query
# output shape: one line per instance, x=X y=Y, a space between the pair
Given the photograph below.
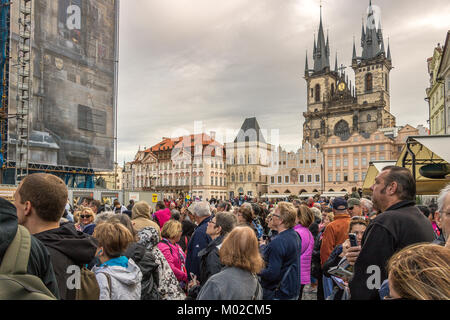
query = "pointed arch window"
x=317 y=97
x=369 y=82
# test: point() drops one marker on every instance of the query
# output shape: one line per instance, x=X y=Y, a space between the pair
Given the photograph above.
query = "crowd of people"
x=344 y=248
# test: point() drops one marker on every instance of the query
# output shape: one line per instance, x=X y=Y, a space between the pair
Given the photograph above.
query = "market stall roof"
x=275 y=196
x=307 y=195
x=374 y=168
x=425 y=150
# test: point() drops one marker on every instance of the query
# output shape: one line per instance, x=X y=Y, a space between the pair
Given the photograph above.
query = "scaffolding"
x=24 y=90
x=5 y=7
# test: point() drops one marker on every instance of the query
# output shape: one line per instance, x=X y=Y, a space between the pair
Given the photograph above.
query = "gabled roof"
x=250 y=131
x=184 y=142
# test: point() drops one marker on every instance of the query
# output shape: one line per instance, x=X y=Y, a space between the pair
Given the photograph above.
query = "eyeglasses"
x=351 y=208
x=83 y=216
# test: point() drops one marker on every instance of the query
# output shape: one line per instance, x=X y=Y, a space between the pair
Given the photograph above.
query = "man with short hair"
x=40 y=200
x=201 y=213
x=354 y=207
x=39 y=261
x=442 y=216
x=400 y=224
x=281 y=277
x=95 y=206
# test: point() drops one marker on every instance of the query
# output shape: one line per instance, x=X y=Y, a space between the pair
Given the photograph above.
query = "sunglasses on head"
x=85 y=216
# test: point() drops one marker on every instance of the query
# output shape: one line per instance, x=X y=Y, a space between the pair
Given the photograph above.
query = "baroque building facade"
x=192 y=165
x=435 y=94
x=335 y=106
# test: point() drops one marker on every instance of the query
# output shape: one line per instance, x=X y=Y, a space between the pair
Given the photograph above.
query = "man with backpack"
x=24 y=261
x=40 y=200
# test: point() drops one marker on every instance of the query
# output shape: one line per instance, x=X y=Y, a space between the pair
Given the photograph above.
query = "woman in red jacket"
x=171 y=234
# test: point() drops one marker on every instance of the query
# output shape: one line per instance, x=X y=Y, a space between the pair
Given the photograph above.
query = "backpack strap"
x=15 y=260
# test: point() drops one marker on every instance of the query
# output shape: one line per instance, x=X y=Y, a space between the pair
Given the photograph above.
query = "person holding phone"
x=358 y=226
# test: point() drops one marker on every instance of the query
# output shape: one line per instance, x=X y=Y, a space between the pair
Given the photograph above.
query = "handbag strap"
x=255 y=296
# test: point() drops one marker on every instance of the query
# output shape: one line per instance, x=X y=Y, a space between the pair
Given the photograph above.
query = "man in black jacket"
x=39 y=263
x=400 y=224
x=40 y=200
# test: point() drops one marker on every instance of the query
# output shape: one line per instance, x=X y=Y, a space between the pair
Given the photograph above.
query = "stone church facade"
x=335 y=106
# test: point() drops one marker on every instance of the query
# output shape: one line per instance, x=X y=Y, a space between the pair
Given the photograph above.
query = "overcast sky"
x=219 y=62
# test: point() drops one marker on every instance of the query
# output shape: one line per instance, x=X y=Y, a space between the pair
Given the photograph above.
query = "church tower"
x=321 y=86
x=372 y=71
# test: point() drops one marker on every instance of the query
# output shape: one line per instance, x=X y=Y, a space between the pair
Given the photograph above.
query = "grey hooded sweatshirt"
x=125 y=282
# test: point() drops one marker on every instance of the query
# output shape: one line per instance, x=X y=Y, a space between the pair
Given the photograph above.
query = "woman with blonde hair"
x=170 y=235
x=420 y=272
x=118 y=277
x=86 y=219
x=240 y=255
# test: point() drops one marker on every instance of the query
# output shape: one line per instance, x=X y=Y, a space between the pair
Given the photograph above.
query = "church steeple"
x=372 y=38
x=306 y=64
x=354 y=50
x=336 y=64
x=322 y=50
x=389 y=51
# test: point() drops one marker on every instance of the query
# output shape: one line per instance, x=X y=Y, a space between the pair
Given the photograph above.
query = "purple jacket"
x=163 y=216
x=307 y=249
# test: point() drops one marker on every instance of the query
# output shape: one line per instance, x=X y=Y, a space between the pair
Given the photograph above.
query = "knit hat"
x=141 y=209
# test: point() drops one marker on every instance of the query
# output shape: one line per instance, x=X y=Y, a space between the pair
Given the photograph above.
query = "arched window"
x=369 y=82
x=233 y=178
x=317 y=98
x=249 y=177
x=241 y=177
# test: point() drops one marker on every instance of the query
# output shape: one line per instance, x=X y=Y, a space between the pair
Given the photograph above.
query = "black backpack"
x=316 y=266
x=146 y=261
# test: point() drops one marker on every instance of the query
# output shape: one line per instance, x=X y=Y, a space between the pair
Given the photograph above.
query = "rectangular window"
x=330 y=177
x=345 y=162
x=355 y=162
x=363 y=149
x=344 y=150
x=212 y=180
x=330 y=163
x=363 y=176
x=286 y=179
x=309 y=178
x=338 y=151
x=345 y=176
x=302 y=178
x=90 y=119
x=317 y=177
x=280 y=179
x=355 y=176
x=338 y=163
x=272 y=179
x=381 y=147
x=355 y=149
x=338 y=177
x=372 y=148
x=381 y=157
x=373 y=158
x=364 y=161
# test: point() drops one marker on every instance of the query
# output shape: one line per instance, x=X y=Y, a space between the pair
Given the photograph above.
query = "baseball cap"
x=353 y=202
x=340 y=204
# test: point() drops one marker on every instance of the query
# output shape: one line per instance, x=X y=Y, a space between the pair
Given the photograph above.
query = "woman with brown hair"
x=305 y=217
x=118 y=277
x=237 y=281
x=420 y=272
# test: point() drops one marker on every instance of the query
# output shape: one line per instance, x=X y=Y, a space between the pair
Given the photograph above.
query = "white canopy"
x=307 y=195
x=274 y=196
x=334 y=194
x=381 y=164
x=439 y=145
